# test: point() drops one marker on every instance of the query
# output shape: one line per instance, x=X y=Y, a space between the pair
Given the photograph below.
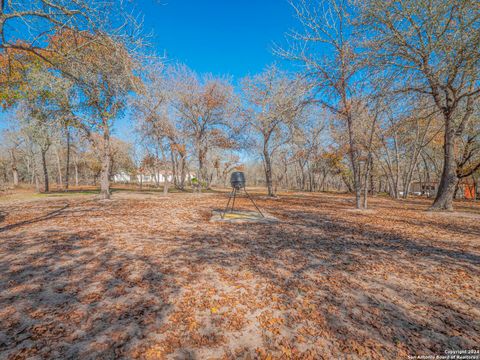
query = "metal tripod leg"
x=253 y=202
x=233 y=202
x=228 y=203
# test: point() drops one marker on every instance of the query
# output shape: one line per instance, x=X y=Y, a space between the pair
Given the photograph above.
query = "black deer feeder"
x=238 y=182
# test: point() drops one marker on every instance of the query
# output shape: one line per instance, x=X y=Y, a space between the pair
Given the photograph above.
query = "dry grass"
x=146 y=276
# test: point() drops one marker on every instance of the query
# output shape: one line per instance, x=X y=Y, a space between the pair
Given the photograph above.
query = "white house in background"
x=123 y=177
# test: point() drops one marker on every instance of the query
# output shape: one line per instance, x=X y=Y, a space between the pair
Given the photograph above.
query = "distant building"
x=121 y=177
x=466 y=189
x=149 y=178
x=428 y=188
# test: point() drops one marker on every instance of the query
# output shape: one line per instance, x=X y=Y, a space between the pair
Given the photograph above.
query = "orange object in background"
x=469 y=191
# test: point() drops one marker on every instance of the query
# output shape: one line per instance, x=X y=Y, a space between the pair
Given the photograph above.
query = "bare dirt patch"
x=147 y=276
x=242 y=217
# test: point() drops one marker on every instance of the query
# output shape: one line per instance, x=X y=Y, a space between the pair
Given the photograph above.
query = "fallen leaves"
x=140 y=278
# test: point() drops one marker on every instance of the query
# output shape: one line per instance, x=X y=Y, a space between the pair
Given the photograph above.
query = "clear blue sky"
x=222 y=37
x=218 y=36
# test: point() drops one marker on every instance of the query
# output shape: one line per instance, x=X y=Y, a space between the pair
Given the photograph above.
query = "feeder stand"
x=238 y=182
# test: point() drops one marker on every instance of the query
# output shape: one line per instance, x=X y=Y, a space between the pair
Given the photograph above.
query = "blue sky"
x=229 y=37
x=218 y=36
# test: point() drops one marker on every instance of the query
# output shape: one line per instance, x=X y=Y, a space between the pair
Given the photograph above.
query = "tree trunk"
x=182 y=171
x=365 y=189
x=268 y=172
x=59 y=167
x=75 y=164
x=35 y=177
x=67 y=166
x=287 y=182
x=29 y=171
x=354 y=160
x=165 y=172
x=411 y=169
x=15 y=176
x=311 y=180
x=372 y=181
x=346 y=180
x=174 y=166
x=37 y=183
x=166 y=184
x=33 y=174
x=106 y=161
x=302 y=174
x=157 y=177
x=322 y=181
x=455 y=193
x=448 y=180
x=14 y=169
x=200 y=175
x=45 y=170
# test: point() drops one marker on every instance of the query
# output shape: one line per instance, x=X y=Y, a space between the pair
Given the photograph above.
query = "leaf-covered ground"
x=150 y=277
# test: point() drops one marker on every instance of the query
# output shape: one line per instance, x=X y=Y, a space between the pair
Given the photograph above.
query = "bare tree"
x=158 y=133
x=304 y=151
x=329 y=48
x=275 y=105
x=12 y=142
x=431 y=48
x=204 y=107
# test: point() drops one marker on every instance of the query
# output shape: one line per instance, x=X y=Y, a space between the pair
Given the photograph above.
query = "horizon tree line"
x=388 y=96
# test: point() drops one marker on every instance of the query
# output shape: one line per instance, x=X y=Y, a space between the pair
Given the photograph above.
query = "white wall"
x=145 y=178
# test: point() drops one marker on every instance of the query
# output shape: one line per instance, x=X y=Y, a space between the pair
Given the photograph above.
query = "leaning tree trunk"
x=106 y=161
x=268 y=172
x=449 y=179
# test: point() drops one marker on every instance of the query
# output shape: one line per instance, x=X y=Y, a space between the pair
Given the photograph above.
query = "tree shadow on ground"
x=312 y=283
x=76 y=296
x=47 y=216
x=374 y=294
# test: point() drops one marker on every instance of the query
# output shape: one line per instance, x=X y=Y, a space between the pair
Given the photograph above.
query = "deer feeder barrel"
x=237 y=180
